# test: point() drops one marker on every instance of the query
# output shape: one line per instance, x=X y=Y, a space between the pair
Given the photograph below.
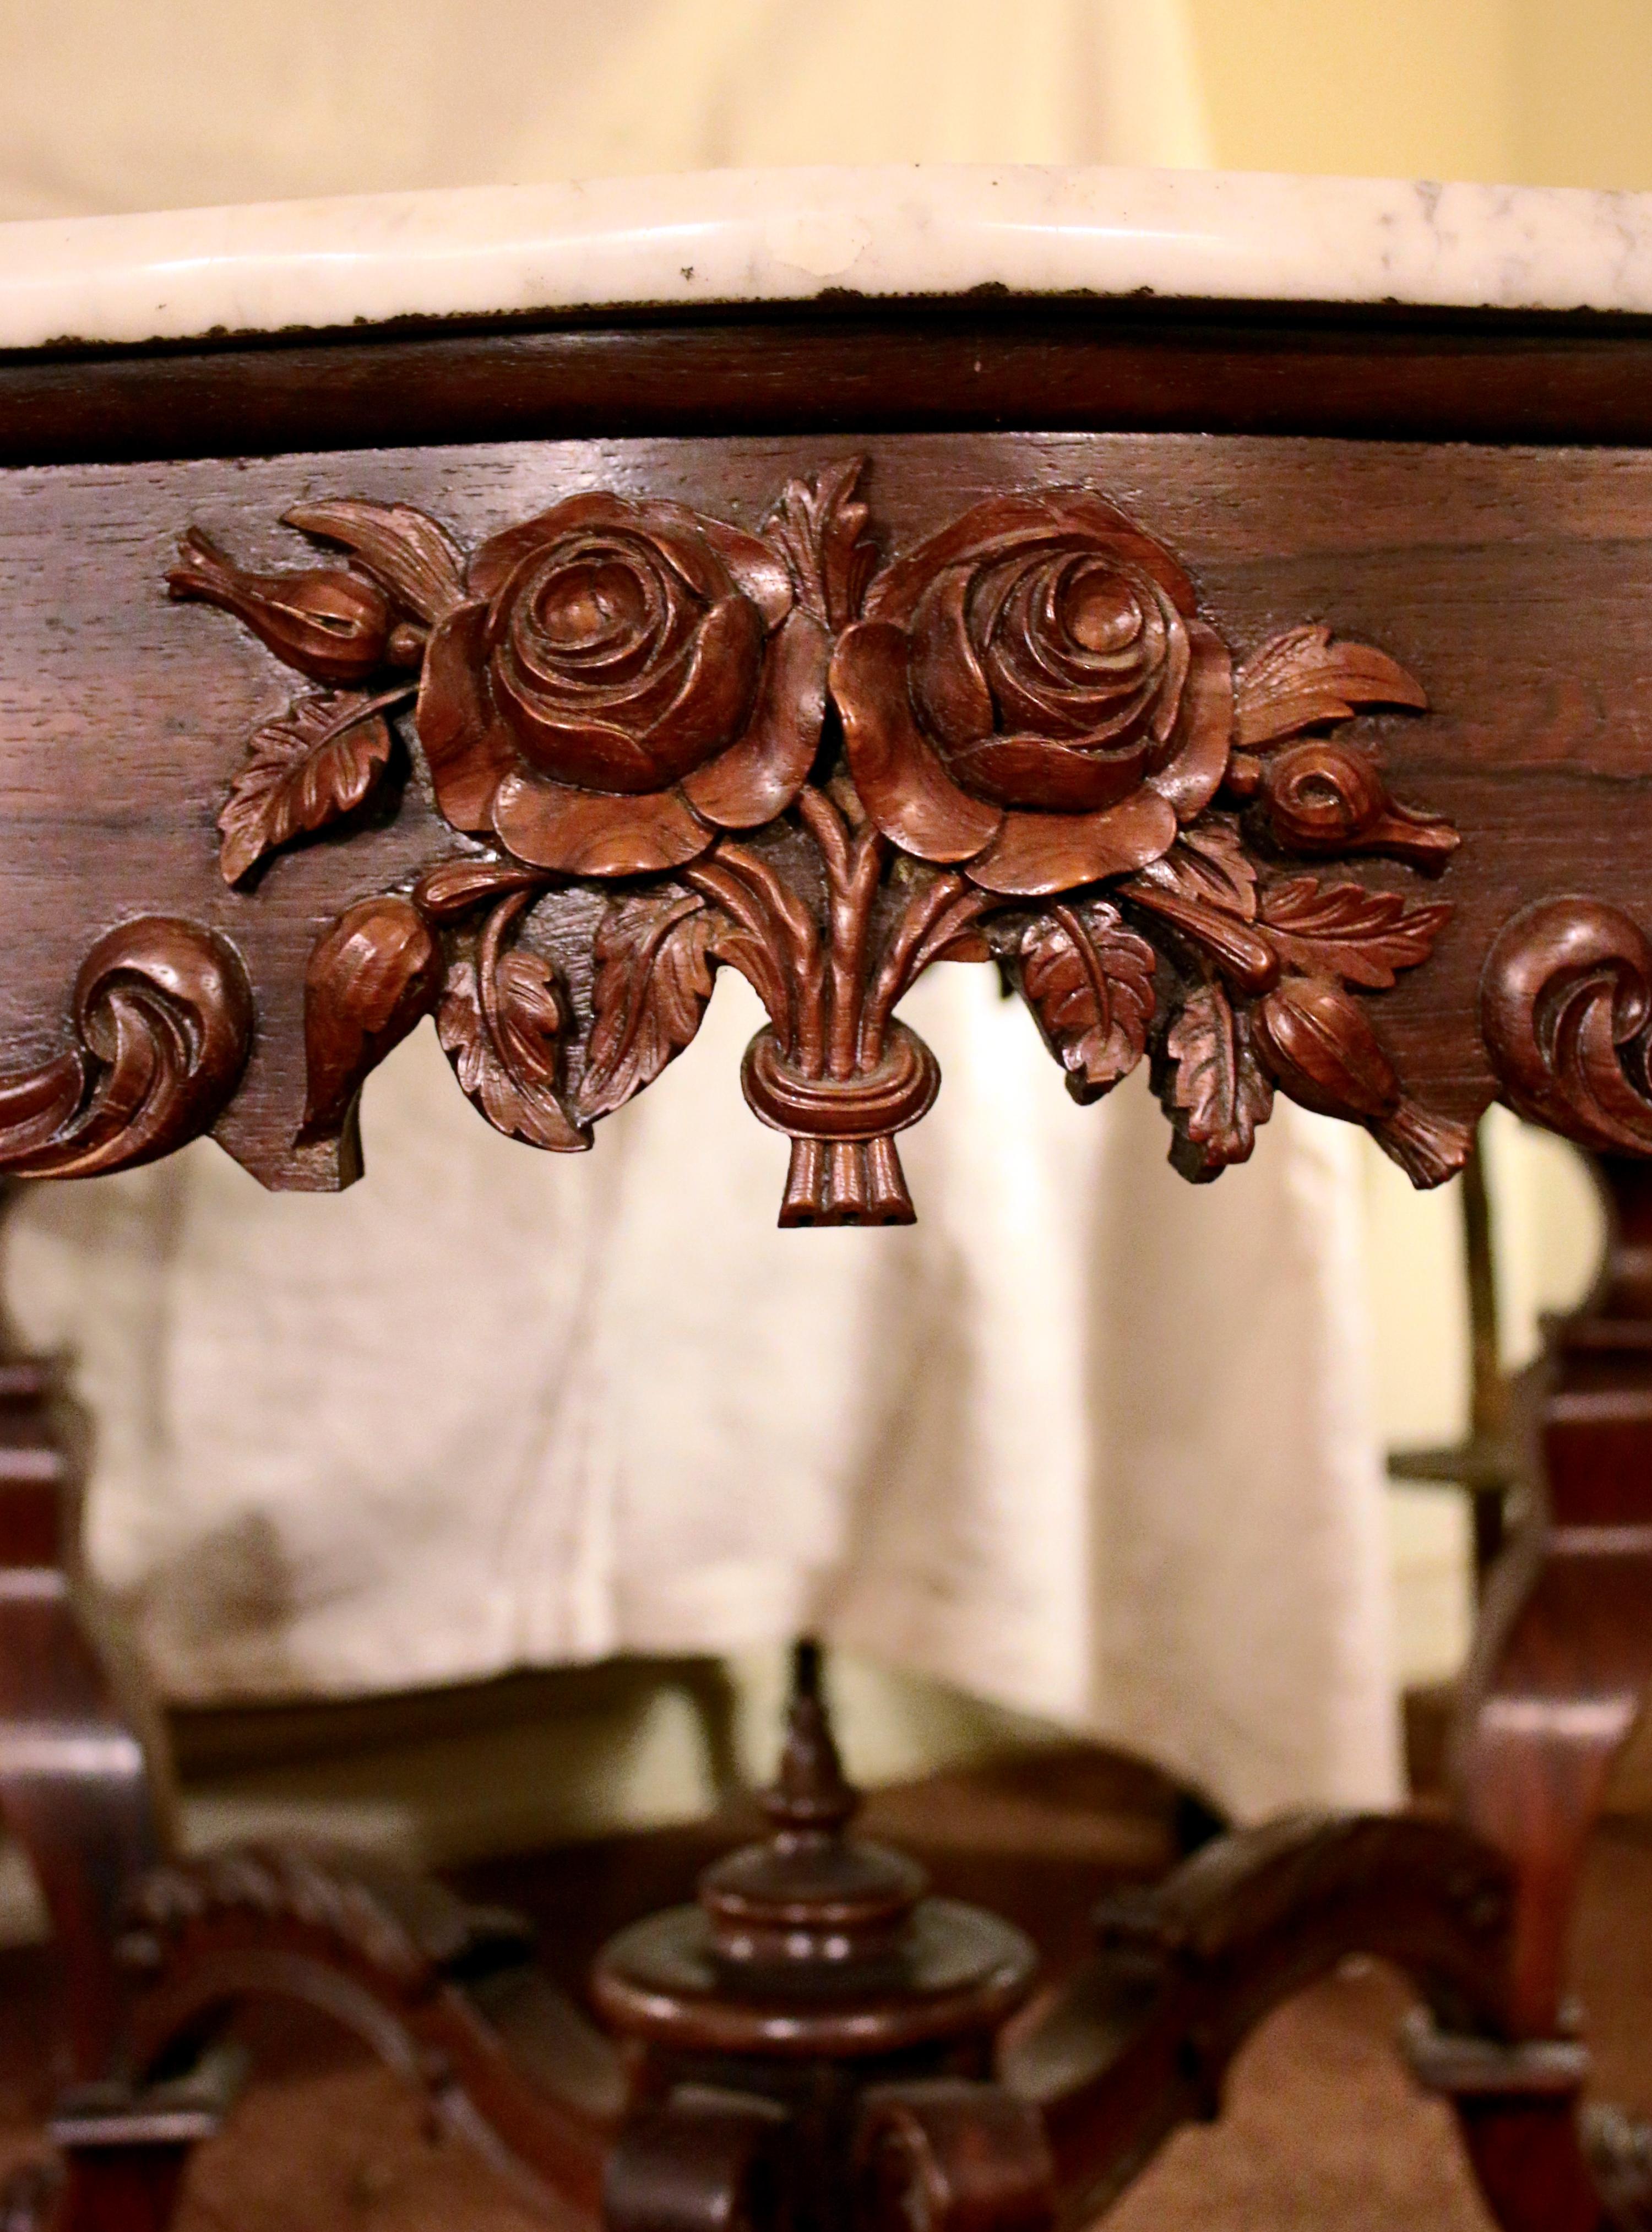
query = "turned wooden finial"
x=810 y=1790
x=811 y=1942
x=810 y=1901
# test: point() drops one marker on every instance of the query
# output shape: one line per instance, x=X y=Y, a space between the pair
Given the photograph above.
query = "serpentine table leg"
x=1559 y=1674
x=85 y=1790
x=84 y=1787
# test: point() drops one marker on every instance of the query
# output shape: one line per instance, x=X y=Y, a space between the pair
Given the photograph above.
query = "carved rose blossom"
x=623 y=680
x=1031 y=696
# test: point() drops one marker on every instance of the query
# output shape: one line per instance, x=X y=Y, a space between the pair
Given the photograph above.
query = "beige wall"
x=1539 y=92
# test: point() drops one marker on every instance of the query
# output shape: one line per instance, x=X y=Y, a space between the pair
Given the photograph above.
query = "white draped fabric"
x=1088 y=1441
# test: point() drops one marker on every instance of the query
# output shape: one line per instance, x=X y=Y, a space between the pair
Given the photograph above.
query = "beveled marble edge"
x=734 y=237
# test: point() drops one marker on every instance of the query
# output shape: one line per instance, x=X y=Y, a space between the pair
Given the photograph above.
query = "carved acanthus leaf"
x=653 y=980
x=1302 y=678
x=371 y=979
x=501 y=1023
x=319 y=761
x=1214 y=1091
x=1344 y=930
x=1089 y=983
x=822 y=532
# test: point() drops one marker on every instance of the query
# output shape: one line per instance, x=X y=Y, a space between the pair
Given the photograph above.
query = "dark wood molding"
x=1499 y=581
x=834 y=367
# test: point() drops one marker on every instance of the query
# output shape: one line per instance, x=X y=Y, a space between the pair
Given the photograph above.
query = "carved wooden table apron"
x=1270 y=707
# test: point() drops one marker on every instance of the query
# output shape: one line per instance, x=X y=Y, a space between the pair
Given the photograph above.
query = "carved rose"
x=622 y=680
x=1031 y=695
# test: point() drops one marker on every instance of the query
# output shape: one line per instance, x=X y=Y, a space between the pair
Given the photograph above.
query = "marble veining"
x=744 y=236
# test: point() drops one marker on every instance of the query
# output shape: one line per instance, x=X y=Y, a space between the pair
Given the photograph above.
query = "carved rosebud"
x=1319 y=1043
x=330 y=623
x=608 y=697
x=1326 y=796
x=1032 y=695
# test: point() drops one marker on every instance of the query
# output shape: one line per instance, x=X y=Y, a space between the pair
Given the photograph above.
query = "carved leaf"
x=653 y=981
x=508 y=1064
x=1208 y=864
x=1301 y=678
x=318 y=761
x=1089 y=981
x=453 y=888
x=1214 y=1091
x=1344 y=930
x=821 y=531
x=371 y=979
x=405 y=549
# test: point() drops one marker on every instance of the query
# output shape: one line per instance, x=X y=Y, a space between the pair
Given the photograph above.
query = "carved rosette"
x=1019 y=742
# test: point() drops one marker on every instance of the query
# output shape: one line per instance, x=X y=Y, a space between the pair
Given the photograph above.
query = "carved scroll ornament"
x=1018 y=742
x=161 y=1022
x=1565 y=1008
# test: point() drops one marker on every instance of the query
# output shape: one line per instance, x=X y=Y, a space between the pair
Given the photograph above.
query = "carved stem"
x=1246 y=959
x=364 y=711
x=799 y=937
x=852 y=871
x=845 y=1182
x=897 y=972
x=768 y=946
x=941 y=912
x=870 y=853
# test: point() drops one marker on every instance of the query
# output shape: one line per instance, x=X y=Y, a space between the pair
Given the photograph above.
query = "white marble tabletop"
x=735 y=236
